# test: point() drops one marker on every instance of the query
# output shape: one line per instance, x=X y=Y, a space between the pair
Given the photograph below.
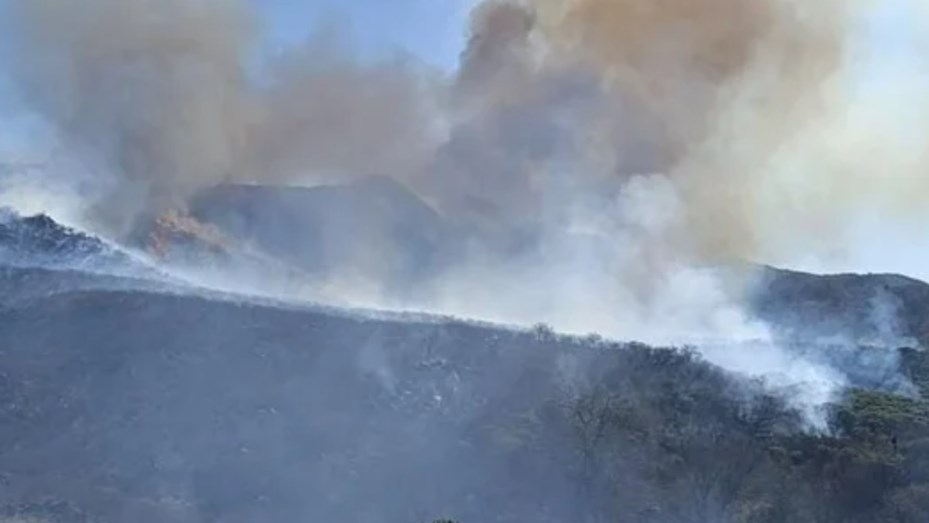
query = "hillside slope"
x=126 y=399
x=134 y=406
x=884 y=309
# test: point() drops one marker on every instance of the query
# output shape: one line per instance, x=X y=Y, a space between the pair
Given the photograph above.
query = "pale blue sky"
x=433 y=30
x=891 y=42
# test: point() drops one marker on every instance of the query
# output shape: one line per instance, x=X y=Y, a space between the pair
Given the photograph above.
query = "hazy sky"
x=434 y=30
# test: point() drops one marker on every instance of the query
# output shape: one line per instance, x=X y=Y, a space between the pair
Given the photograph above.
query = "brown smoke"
x=162 y=98
x=682 y=58
x=148 y=91
x=326 y=116
x=703 y=92
x=669 y=55
x=555 y=105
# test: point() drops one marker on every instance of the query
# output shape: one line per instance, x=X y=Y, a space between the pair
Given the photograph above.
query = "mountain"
x=373 y=224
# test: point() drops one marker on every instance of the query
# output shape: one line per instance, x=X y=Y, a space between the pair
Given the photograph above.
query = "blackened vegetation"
x=137 y=406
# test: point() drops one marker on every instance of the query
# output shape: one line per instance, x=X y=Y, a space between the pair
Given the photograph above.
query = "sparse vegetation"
x=694 y=455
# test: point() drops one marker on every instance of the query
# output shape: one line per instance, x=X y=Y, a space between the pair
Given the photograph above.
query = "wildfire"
x=173 y=227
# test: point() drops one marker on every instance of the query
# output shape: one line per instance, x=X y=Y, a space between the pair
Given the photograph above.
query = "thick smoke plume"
x=716 y=88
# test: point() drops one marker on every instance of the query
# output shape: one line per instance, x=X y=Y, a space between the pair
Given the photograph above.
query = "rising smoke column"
x=613 y=129
x=775 y=143
x=598 y=91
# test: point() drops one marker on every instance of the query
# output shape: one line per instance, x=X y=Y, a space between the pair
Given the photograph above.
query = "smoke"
x=886 y=320
x=554 y=103
x=146 y=94
x=639 y=145
x=323 y=105
x=160 y=99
